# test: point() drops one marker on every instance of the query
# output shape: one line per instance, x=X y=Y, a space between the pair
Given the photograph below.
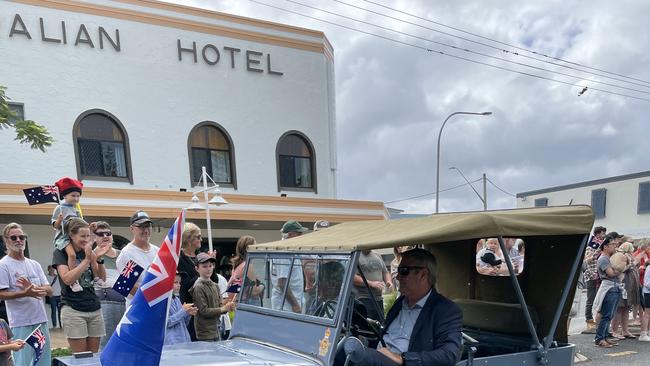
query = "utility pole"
x=484 y=192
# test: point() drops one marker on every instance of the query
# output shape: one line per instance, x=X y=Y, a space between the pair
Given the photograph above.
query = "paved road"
x=629 y=352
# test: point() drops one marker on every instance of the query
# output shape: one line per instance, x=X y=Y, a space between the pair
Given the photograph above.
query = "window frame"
x=310 y=146
x=640 y=210
x=127 y=150
x=19 y=105
x=540 y=200
x=231 y=152
x=268 y=257
x=597 y=213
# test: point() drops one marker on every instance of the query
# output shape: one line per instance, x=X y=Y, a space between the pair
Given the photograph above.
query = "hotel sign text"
x=82 y=36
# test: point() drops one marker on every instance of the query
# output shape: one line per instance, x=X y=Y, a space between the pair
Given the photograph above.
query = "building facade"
x=620 y=203
x=139 y=95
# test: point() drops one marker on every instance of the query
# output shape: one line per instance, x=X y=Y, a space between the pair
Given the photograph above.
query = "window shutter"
x=541 y=202
x=598 y=202
x=644 y=197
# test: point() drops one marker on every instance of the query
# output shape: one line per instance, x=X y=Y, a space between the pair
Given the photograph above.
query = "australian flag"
x=41 y=194
x=128 y=278
x=37 y=341
x=138 y=338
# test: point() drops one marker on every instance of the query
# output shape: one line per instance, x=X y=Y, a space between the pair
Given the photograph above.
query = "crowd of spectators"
x=614 y=274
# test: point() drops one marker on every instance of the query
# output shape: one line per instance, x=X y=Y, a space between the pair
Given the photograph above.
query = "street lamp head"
x=217 y=199
x=486 y=113
x=452 y=168
x=195 y=205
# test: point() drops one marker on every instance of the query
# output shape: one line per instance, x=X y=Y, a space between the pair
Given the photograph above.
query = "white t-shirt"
x=280 y=269
x=25 y=310
x=143 y=258
x=56 y=285
x=223 y=286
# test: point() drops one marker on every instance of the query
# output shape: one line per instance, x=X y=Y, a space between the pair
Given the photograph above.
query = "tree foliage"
x=27 y=131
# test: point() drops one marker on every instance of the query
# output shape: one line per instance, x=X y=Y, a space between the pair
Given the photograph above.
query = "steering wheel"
x=327 y=309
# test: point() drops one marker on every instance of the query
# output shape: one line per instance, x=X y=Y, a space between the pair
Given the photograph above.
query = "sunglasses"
x=405 y=270
x=18 y=237
x=144 y=226
x=103 y=233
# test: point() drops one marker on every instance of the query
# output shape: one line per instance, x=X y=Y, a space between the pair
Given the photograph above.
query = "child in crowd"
x=179 y=316
x=207 y=299
x=69 y=194
x=7 y=345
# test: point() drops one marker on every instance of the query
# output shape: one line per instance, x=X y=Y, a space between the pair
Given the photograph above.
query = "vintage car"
x=518 y=317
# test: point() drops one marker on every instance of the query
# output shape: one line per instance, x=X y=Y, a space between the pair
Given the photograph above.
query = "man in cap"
x=591 y=273
x=280 y=271
x=608 y=293
x=139 y=250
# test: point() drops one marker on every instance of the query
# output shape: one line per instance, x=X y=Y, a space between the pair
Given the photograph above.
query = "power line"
x=488 y=45
x=459 y=48
x=443 y=53
x=500 y=42
x=432 y=193
x=499 y=188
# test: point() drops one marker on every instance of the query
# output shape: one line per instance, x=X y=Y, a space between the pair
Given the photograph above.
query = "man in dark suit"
x=423 y=327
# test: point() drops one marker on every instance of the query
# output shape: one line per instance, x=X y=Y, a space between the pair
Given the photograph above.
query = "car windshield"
x=301 y=284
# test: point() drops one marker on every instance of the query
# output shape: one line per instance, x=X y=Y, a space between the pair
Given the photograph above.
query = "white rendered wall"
x=159 y=100
x=620 y=207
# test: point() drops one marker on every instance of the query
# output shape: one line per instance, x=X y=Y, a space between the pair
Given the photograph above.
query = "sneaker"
x=644 y=338
x=76 y=287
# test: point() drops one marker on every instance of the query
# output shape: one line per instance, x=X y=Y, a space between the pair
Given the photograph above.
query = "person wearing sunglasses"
x=23 y=286
x=423 y=327
x=139 y=250
x=113 y=303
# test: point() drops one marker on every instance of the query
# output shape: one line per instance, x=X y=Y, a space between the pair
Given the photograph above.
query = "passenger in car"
x=423 y=327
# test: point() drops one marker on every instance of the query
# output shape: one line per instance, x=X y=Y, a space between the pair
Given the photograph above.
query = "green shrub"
x=60 y=352
x=389 y=301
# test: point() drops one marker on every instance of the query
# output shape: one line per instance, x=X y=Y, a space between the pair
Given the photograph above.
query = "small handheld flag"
x=37 y=341
x=41 y=194
x=128 y=278
x=139 y=337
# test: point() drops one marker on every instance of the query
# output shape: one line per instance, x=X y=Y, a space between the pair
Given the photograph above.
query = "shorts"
x=80 y=324
x=646 y=301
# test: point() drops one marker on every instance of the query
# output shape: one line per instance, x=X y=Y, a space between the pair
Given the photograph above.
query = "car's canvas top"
x=440 y=228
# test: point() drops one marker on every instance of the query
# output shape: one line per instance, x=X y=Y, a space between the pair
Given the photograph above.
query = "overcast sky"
x=391 y=99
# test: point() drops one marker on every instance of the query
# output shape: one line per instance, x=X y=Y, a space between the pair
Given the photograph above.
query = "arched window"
x=295 y=159
x=211 y=147
x=102 y=147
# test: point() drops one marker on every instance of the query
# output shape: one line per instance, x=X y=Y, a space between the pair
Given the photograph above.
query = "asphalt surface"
x=628 y=352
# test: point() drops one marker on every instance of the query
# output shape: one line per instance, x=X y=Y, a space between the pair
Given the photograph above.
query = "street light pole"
x=216 y=200
x=204 y=176
x=484 y=198
x=438 y=151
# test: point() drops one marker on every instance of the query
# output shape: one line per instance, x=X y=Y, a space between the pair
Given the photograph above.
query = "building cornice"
x=322 y=46
x=161 y=204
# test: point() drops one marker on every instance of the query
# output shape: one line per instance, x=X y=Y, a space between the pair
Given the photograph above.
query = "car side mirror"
x=354 y=350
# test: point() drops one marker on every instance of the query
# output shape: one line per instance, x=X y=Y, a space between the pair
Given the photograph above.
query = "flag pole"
x=33 y=331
